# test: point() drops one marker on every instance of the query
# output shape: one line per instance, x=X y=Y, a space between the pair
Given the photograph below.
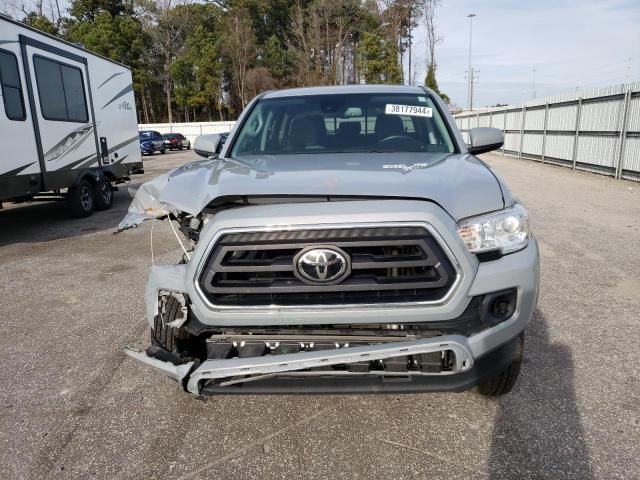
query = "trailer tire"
x=80 y=198
x=103 y=194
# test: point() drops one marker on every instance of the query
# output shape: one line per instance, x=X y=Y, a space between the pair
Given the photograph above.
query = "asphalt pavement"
x=72 y=405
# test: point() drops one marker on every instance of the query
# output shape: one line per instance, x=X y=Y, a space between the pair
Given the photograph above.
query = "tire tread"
x=504 y=381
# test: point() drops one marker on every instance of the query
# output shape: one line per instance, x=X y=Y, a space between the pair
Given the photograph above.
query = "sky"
x=571 y=44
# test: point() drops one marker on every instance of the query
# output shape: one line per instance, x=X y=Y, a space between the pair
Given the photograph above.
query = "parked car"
x=176 y=141
x=151 y=142
x=349 y=240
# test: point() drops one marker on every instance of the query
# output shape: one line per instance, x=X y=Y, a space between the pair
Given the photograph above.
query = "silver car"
x=344 y=239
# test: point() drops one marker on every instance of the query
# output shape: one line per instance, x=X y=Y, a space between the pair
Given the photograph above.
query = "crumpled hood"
x=459 y=183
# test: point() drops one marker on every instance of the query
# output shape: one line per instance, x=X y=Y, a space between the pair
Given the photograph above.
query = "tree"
x=277 y=59
x=378 y=60
x=399 y=18
x=88 y=10
x=323 y=38
x=432 y=83
x=197 y=59
x=108 y=27
x=168 y=26
x=118 y=37
x=41 y=23
x=429 y=11
x=203 y=53
x=240 y=49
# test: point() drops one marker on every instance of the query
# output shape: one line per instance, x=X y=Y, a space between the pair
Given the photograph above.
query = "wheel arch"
x=92 y=175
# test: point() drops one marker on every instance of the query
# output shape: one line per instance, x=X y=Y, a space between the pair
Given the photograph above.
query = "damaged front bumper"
x=221 y=375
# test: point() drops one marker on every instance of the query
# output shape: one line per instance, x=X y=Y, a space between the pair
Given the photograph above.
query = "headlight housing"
x=505 y=231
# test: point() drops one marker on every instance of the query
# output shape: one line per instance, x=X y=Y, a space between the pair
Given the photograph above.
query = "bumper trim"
x=484 y=368
x=276 y=364
x=177 y=372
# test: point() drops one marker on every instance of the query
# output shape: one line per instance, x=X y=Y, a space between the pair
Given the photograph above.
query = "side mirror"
x=484 y=139
x=207 y=146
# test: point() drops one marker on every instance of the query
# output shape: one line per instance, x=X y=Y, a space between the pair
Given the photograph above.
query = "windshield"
x=145 y=135
x=344 y=123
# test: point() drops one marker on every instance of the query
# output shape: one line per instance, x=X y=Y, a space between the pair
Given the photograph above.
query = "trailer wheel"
x=103 y=194
x=80 y=198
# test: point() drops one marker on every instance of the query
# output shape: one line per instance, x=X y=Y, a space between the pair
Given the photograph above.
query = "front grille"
x=388 y=265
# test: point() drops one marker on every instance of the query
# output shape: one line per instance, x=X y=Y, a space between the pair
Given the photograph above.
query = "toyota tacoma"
x=344 y=239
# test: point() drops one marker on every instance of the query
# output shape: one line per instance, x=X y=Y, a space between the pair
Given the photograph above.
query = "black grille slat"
x=388 y=265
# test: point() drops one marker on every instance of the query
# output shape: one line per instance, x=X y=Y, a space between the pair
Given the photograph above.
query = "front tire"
x=163 y=151
x=169 y=338
x=503 y=382
x=80 y=198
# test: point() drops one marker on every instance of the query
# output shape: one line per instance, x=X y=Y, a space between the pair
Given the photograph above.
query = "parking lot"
x=72 y=405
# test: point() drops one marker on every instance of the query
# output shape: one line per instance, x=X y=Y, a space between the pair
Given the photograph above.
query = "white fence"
x=596 y=130
x=189 y=130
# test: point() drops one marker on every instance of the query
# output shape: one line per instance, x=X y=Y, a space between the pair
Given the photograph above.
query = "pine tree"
x=432 y=83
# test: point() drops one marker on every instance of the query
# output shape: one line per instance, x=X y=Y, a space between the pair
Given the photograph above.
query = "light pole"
x=470 y=93
x=533 y=84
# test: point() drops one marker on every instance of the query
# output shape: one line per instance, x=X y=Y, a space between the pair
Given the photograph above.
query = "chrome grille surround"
x=204 y=259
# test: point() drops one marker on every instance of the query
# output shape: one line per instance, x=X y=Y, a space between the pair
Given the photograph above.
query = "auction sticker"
x=411 y=110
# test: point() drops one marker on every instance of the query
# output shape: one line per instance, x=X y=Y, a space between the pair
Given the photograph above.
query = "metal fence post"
x=524 y=114
x=623 y=134
x=575 y=140
x=544 y=132
x=504 y=129
x=490 y=118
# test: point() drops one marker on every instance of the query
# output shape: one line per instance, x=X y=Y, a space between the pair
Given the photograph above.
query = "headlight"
x=505 y=231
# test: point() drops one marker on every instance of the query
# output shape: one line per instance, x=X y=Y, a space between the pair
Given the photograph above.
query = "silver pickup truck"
x=344 y=239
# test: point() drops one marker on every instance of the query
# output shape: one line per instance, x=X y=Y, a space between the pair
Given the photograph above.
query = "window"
x=61 y=91
x=344 y=123
x=11 y=87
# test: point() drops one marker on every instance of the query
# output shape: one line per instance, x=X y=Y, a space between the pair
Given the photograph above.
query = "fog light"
x=499 y=306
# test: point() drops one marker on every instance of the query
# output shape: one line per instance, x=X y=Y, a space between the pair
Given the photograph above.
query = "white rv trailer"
x=67 y=121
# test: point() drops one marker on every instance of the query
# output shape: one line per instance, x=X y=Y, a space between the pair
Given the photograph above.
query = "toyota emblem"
x=323 y=265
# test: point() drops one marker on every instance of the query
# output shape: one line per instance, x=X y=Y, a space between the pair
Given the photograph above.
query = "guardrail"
x=596 y=130
x=189 y=130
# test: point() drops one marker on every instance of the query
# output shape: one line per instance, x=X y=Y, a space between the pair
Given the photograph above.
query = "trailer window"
x=61 y=91
x=11 y=86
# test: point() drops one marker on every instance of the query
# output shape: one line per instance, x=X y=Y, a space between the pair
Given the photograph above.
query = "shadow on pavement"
x=45 y=221
x=537 y=432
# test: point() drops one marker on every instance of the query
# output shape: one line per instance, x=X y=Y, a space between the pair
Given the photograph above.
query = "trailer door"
x=19 y=166
x=62 y=111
